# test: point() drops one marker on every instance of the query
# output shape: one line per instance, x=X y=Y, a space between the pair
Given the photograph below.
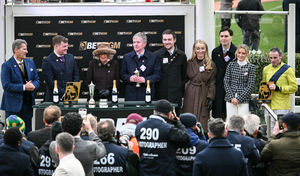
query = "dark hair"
x=56 y=40
x=65 y=142
x=51 y=114
x=17 y=44
x=216 y=127
x=72 y=123
x=226 y=29
x=236 y=123
x=12 y=136
x=278 y=50
x=106 y=130
x=169 y=31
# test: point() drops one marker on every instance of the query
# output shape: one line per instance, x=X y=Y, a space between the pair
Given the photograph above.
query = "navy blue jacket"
x=115 y=161
x=54 y=69
x=220 y=158
x=25 y=145
x=185 y=156
x=14 y=162
x=12 y=83
x=247 y=146
x=152 y=72
x=158 y=141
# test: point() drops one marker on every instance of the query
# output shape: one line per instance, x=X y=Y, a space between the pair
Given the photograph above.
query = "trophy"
x=91 y=103
x=137 y=73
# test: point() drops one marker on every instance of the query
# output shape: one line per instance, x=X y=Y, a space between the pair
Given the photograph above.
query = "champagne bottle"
x=148 y=93
x=55 y=93
x=114 y=93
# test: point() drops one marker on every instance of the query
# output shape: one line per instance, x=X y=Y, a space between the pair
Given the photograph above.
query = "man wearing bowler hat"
x=282 y=151
x=159 y=138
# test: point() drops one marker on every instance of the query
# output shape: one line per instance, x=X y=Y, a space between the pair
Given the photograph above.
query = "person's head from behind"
x=236 y=123
x=139 y=42
x=275 y=56
x=64 y=143
x=226 y=35
x=51 y=114
x=13 y=137
x=216 y=128
x=60 y=44
x=106 y=130
x=291 y=121
x=163 y=108
x=189 y=120
x=252 y=123
x=93 y=121
x=134 y=118
x=15 y=121
x=72 y=123
x=169 y=39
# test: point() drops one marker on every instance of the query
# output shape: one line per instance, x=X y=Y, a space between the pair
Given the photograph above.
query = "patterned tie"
x=62 y=59
x=21 y=67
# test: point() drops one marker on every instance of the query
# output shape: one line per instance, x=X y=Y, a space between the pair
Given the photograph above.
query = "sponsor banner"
x=84 y=33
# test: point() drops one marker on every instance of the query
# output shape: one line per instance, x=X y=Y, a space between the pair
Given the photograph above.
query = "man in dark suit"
x=60 y=66
x=19 y=81
x=142 y=61
x=220 y=157
x=173 y=71
x=222 y=56
x=12 y=161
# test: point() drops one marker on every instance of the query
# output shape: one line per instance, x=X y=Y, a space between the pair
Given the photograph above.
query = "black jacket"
x=158 y=141
x=219 y=106
x=173 y=72
x=247 y=21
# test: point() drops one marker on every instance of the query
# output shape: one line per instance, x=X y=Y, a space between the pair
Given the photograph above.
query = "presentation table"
x=117 y=113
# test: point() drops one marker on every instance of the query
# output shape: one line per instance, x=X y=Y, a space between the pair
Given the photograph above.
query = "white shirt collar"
x=18 y=62
x=172 y=51
x=57 y=54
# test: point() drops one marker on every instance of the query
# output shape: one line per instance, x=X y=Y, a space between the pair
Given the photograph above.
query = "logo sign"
x=265 y=94
x=72 y=91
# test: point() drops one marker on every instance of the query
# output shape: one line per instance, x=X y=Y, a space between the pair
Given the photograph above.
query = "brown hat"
x=104 y=48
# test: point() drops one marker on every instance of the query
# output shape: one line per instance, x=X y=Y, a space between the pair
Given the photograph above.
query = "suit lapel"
x=28 y=69
x=16 y=69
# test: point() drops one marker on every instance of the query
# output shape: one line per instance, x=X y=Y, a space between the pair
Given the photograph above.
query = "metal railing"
x=271 y=115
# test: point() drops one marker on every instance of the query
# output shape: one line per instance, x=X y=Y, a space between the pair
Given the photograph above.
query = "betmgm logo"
x=85 y=45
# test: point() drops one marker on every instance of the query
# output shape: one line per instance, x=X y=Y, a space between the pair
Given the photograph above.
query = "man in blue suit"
x=60 y=66
x=19 y=81
x=142 y=61
x=220 y=157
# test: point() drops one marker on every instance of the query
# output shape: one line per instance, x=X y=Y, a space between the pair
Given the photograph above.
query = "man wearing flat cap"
x=158 y=138
x=59 y=65
x=103 y=70
x=282 y=150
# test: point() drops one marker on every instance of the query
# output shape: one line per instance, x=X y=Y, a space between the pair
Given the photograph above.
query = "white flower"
x=258 y=51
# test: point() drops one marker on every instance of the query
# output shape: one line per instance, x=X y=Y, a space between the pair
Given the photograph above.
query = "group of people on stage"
x=198 y=84
x=167 y=145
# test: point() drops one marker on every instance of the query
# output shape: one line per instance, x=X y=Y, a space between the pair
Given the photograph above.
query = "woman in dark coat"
x=102 y=71
x=200 y=90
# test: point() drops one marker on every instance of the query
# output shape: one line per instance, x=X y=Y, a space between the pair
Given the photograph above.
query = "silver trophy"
x=137 y=73
x=92 y=102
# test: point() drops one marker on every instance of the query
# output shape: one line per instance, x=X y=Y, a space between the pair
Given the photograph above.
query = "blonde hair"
x=206 y=55
x=246 y=48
